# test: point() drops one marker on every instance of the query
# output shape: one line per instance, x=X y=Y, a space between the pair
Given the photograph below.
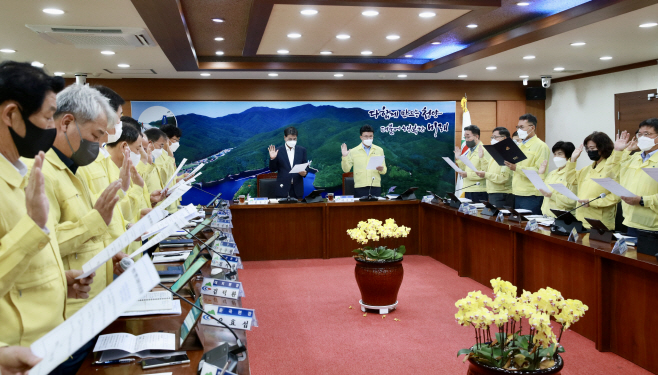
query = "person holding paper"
x=562 y=151
x=358 y=157
x=282 y=160
x=499 y=177
x=641 y=210
x=145 y=167
x=599 y=148
x=477 y=193
x=526 y=196
x=159 y=143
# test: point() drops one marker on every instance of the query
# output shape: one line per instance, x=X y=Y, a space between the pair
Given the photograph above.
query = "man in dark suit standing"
x=282 y=159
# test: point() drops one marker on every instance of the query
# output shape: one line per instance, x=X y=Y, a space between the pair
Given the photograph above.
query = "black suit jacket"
x=282 y=166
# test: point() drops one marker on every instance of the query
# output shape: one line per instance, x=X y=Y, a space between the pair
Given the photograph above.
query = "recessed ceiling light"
x=523 y=4
x=392 y=37
x=294 y=35
x=219 y=53
x=435 y=43
x=123 y=66
x=491 y=68
x=472 y=26
x=205 y=74
x=37 y=64
x=462 y=76
x=325 y=52
x=53 y=11
x=59 y=74
x=366 y=52
x=219 y=39
x=283 y=52
x=370 y=13
x=578 y=44
x=605 y=58
x=402 y=76
x=273 y=75
x=427 y=14
x=107 y=52
x=649 y=24
x=7 y=50
x=309 y=12
x=524 y=76
x=558 y=69
x=218 y=20
x=408 y=56
x=529 y=57
x=338 y=75
x=342 y=36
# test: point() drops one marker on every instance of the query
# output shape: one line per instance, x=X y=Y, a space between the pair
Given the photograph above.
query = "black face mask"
x=593 y=155
x=35 y=140
x=86 y=153
x=470 y=144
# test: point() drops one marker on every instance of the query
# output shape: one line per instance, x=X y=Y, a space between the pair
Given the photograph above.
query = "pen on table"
x=172 y=255
x=117 y=361
x=224 y=369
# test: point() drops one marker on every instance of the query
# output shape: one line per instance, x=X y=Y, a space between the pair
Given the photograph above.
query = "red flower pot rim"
x=377 y=261
x=559 y=364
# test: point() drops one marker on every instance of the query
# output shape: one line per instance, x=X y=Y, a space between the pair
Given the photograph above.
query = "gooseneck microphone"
x=209 y=249
x=561 y=231
x=585 y=204
x=466 y=187
x=369 y=198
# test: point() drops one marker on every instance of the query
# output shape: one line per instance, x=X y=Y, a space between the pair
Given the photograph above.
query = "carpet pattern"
x=307 y=327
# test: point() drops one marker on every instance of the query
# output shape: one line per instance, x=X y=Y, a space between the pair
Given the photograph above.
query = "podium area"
x=619 y=290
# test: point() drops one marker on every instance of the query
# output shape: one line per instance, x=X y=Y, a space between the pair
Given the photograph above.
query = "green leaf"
x=367 y=247
x=402 y=250
x=358 y=251
x=523 y=341
x=560 y=349
x=463 y=351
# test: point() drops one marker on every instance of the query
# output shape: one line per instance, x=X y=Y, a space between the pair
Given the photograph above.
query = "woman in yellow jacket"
x=599 y=148
x=562 y=152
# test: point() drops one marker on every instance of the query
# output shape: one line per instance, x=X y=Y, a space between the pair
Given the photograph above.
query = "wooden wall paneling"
x=508 y=113
x=603 y=317
x=440 y=236
x=538 y=108
x=483 y=114
x=487 y=250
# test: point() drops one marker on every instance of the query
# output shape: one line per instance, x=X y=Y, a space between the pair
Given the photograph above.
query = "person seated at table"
x=599 y=148
x=282 y=160
x=358 y=157
x=476 y=193
x=562 y=151
x=499 y=177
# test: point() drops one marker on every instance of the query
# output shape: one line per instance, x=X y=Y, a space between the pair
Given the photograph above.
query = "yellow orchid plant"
x=509 y=349
x=374 y=230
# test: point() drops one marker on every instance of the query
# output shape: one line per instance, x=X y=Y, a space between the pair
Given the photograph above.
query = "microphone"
x=209 y=249
x=558 y=229
x=599 y=197
x=369 y=198
x=466 y=187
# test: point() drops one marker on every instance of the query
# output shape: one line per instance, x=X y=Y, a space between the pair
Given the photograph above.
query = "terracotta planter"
x=379 y=282
x=475 y=368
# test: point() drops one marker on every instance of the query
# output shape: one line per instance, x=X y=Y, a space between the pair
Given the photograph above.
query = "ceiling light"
x=342 y=36
x=427 y=14
x=325 y=52
x=123 y=66
x=605 y=58
x=462 y=76
x=7 y=50
x=524 y=77
x=309 y=12
x=472 y=26
x=392 y=37
x=53 y=11
x=529 y=57
x=219 y=53
x=338 y=75
x=408 y=56
x=370 y=13
x=107 y=52
x=435 y=43
x=294 y=35
x=558 y=69
x=59 y=74
x=491 y=68
x=205 y=74
x=402 y=76
x=283 y=52
x=523 y=4
x=219 y=39
x=578 y=44
x=37 y=64
x=649 y=24
x=273 y=74
x=366 y=52
x=218 y=20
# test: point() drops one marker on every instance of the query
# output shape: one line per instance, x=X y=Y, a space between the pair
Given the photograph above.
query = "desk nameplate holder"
x=532 y=225
x=188 y=335
x=256 y=201
x=573 y=235
x=222 y=288
x=620 y=247
x=234 y=317
x=344 y=199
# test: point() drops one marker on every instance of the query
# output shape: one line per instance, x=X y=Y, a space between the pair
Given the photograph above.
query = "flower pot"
x=379 y=282
x=475 y=368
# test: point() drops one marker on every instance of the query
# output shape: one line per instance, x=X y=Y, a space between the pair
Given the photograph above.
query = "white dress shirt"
x=291 y=158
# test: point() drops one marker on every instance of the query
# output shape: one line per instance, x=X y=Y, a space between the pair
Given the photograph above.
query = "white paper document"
x=375 y=161
x=133 y=344
x=176 y=221
x=564 y=191
x=124 y=240
x=468 y=163
x=299 y=168
x=536 y=180
x=652 y=172
x=612 y=186
x=452 y=164
x=153 y=301
x=173 y=197
x=175 y=309
x=175 y=173
x=60 y=343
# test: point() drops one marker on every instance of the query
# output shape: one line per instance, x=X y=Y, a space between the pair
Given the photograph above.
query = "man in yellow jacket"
x=477 y=193
x=499 y=177
x=33 y=283
x=358 y=157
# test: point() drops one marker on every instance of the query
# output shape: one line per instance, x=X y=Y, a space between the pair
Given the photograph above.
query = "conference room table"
x=620 y=290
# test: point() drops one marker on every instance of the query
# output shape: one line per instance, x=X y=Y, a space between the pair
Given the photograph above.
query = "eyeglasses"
x=497 y=136
x=650 y=135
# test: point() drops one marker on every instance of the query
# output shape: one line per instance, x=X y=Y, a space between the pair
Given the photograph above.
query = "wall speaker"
x=535 y=93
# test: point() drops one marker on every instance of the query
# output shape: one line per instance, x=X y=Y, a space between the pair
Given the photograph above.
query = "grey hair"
x=85 y=104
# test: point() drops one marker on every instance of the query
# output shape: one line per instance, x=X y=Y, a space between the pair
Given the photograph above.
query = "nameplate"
x=620 y=247
x=227 y=262
x=532 y=225
x=222 y=288
x=258 y=201
x=344 y=198
x=463 y=208
x=573 y=236
x=223 y=214
x=500 y=217
x=427 y=199
x=209 y=369
x=472 y=210
x=234 y=317
x=225 y=247
x=222 y=224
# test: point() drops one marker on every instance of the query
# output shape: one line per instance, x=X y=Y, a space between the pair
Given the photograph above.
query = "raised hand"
x=36 y=200
x=480 y=152
x=106 y=202
x=576 y=153
x=632 y=145
x=273 y=152
x=166 y=147
x=124 y=173
x=17 y=360
x=78 y=288
x=542 y=168
x=136 y=177
x=143 y=157
x=458 y=152
x=343 y=149
x=149 y=153
x=621 y=141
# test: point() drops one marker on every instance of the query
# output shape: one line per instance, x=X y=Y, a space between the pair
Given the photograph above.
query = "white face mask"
x=174 y=146
x=118 y=129
x=156 y=153
x=494 y=141
x=559 y=161
x=367 y=142
x=522 y=134
x=291 y=144
x=646 y=143
x=135 y=158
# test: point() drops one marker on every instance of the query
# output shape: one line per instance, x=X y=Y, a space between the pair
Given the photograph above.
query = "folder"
x=505 y=150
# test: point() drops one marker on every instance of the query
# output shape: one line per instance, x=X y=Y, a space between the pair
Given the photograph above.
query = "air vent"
x=96 y=37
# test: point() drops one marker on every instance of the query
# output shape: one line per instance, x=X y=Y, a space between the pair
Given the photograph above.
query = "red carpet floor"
x=306 y=326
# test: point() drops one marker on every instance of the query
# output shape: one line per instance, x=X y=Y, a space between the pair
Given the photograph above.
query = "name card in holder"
x=234 y=317
x=227 y=262
x=532 y=225
x=222 y=288
x=209 y=369
x=573 y=235
x=222 y=223
x=620 y=247
x=258 y=201
x=344 y=198
x=472 y=210
x=225 y=247
x=427 y=199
